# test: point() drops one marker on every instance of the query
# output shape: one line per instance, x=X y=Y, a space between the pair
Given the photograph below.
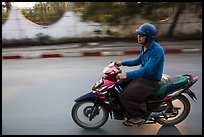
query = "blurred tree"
x=197 y=8
x=112 y=12
x=103 y=12
x=46 y=13
x=108 y=13
x=179 y=7
x=7 y=6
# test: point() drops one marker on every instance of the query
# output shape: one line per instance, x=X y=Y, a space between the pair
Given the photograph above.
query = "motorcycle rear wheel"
x=182 y=113
x=83 y=116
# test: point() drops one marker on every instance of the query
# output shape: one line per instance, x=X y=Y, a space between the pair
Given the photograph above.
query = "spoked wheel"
x=181 y=110
x=88 y=116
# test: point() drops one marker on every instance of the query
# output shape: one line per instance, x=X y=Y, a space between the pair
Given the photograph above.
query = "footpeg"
x=165 y=116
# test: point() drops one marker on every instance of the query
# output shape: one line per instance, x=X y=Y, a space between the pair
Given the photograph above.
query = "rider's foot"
x=133 y=121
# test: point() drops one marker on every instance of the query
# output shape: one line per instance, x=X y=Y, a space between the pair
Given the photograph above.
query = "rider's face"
x=141 y=39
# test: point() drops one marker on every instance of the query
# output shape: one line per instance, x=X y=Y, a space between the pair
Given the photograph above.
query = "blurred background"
x=38 y=94
x=34 y=23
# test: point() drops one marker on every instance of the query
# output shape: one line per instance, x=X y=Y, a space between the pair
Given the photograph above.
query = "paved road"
x=38 y=94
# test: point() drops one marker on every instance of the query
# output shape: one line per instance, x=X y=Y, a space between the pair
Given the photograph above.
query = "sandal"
x=129 y=123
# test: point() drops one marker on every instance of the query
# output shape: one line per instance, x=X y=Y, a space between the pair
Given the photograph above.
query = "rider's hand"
x=119 y=63
x=121 y=76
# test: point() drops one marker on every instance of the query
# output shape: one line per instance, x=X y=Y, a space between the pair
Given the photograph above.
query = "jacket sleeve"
x=149 y=66
x=134 y=62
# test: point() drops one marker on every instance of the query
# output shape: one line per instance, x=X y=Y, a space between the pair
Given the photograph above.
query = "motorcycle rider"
x=140 y=83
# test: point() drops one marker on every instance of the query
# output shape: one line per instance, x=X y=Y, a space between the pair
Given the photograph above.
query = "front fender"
x=87 y=96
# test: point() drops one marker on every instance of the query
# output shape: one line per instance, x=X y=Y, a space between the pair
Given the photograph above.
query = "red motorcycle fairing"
x=103 y=84
x=107 y=82
x=111 y=69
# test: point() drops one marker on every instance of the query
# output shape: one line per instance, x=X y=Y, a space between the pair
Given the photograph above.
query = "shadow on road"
x=93 y=132
x=168 y=130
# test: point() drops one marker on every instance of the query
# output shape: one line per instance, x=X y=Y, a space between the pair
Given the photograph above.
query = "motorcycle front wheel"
x=88 y=116
x=182 y=108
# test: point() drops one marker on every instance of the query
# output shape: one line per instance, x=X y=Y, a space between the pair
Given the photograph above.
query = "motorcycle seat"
x=168 y=83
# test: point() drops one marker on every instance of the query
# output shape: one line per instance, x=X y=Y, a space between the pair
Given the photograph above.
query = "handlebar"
x=117 y=66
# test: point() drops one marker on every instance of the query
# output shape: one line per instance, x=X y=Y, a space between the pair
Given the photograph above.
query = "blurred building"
x=188 y=23
x=70 y=25
x=19 y=27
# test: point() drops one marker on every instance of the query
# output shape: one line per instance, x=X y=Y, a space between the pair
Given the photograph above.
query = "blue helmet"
x=147 y=29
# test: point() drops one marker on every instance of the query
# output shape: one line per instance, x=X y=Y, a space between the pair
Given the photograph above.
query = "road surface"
x=38 y=94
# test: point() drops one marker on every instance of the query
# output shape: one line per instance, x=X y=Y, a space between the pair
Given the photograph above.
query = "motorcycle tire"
x=86 y=112
x=181 y=117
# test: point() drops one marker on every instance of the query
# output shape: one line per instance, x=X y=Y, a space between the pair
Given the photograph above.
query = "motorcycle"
x=167 y=105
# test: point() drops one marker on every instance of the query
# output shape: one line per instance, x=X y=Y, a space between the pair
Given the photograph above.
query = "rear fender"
x=191 y=80
x=87 y=96
x=191 y=94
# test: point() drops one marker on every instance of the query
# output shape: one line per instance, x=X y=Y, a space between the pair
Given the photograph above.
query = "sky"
x=23 y=4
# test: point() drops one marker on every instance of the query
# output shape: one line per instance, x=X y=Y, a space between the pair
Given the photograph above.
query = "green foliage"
x=4 y=17
x=6 y=5
x=197 y=8
x=46 y=13
x=110 y=12
x=102 y=12
x=5 y=9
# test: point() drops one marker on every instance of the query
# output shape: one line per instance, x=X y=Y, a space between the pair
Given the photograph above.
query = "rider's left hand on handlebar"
x=119 y=63
x=121 y=76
